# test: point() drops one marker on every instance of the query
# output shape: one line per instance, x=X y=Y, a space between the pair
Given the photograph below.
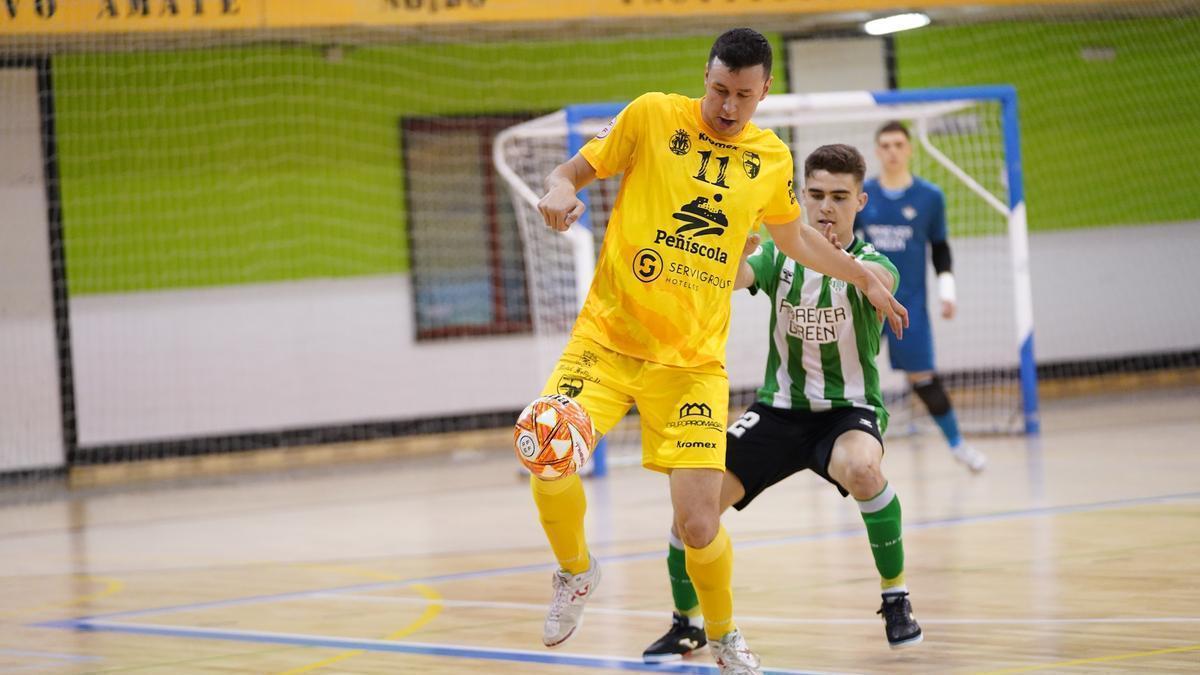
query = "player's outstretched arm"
x=745 y=273
x=882 y=273
x=560 y=206
x=811 y=249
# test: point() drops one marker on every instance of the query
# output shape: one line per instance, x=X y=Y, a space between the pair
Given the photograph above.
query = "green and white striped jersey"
x=824 y=335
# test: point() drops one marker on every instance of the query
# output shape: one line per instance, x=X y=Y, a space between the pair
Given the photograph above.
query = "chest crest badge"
x=681 y=142
x=751 y=162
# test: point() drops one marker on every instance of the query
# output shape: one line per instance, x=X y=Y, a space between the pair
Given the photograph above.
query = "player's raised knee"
x=855 y=464
x=862 y=476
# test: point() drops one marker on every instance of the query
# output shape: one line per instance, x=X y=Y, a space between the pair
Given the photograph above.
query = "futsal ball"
x=554 y=437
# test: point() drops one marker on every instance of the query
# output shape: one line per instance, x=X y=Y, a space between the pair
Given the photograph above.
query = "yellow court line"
x=1098 y=659
x=431 y=611
x=111 y=587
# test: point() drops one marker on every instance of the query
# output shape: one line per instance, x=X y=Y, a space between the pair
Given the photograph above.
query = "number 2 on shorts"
x=744 y=424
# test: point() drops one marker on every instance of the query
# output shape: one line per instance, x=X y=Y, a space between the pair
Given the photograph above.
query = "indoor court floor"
x=1075 y=553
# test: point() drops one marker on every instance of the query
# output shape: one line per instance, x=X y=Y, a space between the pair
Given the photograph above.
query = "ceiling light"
x=896 y=23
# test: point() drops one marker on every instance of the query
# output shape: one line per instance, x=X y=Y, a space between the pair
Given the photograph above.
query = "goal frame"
x=573 y=121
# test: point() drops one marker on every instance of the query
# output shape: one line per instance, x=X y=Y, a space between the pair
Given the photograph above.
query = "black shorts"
x=769 y=444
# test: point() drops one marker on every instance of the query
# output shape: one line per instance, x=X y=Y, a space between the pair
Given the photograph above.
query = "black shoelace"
x=893 y=607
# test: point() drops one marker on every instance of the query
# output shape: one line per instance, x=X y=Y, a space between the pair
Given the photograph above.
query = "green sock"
x=686 y=602
x=881 y=514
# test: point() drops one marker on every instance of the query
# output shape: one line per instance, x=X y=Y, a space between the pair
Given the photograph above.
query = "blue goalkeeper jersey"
x=902 y=227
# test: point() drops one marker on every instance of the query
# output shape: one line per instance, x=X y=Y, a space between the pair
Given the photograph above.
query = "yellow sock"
x=711 y=570
x=561 y=504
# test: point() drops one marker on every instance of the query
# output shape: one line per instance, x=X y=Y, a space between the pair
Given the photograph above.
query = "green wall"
x=1105 y=142
x=267 y=163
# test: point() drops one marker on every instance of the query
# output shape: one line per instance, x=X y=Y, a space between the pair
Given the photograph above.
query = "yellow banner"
x=282 y=13
x=32 y=17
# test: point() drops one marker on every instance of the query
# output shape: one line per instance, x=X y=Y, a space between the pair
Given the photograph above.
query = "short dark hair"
x=742 y=48
x=836 y=158
x=892 y=125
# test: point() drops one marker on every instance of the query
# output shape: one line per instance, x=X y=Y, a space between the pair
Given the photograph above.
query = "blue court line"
x=52 y=656
x=630 y=557
x=585 y=661
x=420 y=648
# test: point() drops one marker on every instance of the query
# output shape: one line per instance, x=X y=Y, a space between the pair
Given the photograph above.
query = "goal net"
x=274 y=230
x=966 y=140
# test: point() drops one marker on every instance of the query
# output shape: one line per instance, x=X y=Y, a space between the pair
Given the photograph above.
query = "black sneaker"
x=677 y=643
x=901 y=628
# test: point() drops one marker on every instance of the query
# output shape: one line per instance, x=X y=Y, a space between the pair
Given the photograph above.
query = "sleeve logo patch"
x=607 y=128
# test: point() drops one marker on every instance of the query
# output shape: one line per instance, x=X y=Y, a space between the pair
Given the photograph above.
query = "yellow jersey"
x=686 y=204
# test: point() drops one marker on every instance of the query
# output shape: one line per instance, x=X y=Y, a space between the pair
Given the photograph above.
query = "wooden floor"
x=1079 y=553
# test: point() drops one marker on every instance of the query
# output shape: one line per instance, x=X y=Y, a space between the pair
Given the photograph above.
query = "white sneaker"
x=972 y=458
x=733 y=655
x=571 y=591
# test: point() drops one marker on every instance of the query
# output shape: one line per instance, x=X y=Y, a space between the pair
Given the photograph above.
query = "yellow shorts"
x=683 y=410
